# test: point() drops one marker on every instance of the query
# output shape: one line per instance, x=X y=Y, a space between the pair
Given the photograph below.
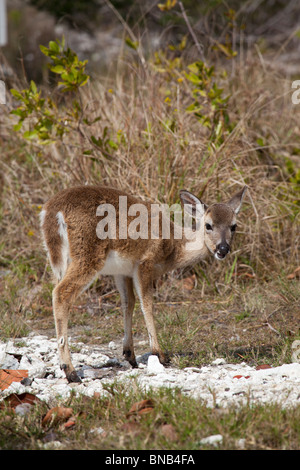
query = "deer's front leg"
x=143 y=283
x=125 y=287
x=61 y=314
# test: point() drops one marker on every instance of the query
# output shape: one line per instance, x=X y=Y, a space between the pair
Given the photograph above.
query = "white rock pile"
x=218 y=384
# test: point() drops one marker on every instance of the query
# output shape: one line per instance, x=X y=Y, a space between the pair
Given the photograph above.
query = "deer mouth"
x=222 y=249
x=219 y=255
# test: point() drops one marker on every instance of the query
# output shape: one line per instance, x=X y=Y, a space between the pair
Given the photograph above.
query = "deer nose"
x=223 y=249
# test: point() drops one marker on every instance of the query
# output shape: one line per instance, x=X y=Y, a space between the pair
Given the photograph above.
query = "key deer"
x=77 y=254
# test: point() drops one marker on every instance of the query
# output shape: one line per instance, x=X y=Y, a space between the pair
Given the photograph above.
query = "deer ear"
x=192 y=204
x=236 y=201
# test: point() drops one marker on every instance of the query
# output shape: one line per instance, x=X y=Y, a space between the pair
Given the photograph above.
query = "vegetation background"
x=194 y=95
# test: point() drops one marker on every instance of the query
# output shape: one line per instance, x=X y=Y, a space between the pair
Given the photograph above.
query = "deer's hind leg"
x=75 y=281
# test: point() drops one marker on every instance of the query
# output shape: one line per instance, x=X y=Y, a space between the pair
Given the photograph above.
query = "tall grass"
x=153 y=147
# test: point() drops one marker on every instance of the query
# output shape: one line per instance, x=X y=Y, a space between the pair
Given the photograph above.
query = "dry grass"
x=161 y=148
x=245 y=309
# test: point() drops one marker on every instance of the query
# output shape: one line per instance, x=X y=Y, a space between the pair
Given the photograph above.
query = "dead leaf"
x=14 y=400
x=189 y=282
x=70 y=423
x=141 y=407
x=7 y=376
x=56 y=415
x=245 y=275
x=263 y=366
x=144 y=411
x=295 y=274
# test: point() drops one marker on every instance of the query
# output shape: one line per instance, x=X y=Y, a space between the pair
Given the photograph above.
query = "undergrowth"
x=161 y=124
x=173 y=421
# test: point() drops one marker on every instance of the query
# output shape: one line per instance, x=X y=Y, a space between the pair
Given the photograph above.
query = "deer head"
x=217 y=221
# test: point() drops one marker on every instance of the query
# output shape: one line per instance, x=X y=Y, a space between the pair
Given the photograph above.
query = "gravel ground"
x=219 y=383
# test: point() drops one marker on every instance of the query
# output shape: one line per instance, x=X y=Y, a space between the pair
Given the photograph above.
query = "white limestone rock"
x=154 y=366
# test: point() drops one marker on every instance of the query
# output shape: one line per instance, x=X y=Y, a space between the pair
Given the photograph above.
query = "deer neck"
x=190 y=249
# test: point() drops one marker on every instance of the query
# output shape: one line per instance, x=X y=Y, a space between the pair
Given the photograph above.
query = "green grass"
x=259 y=427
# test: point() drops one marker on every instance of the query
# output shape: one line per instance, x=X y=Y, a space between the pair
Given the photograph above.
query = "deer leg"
x=65 y=293
x=124 y=285
x=143 y=284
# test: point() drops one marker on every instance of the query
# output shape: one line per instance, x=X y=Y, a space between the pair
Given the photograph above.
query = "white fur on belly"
x=116 y=265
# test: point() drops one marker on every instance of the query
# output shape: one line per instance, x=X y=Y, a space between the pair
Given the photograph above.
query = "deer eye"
x=208 y=227
x=233 y=227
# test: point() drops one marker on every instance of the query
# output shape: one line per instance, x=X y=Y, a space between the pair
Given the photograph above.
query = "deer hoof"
x=73 y=377
x=130 y=357
x=70 y=375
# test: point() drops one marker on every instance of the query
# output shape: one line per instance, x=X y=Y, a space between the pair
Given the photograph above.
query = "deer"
x=78 y=255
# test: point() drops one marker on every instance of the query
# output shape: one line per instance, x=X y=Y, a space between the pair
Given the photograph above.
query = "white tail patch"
x=59 y=271
x=62 y=226
x=42 y=217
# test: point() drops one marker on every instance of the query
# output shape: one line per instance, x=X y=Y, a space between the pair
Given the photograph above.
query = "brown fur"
x=77 y=255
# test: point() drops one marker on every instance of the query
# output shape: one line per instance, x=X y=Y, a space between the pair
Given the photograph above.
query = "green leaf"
x=260 y=142
x=167 y=6
x=89 y=123
x=30 y=134
x=113 y=144
x=33 y=86
x=44 y=50
x=67 y=76
x=192 y=77
x=194 y=107
x=16 y=94
x=18 y=126
x=95 y=141
x=133 y=44
x=84 y=79
x=53 y=46
x=57 y=68
x=18 y=112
